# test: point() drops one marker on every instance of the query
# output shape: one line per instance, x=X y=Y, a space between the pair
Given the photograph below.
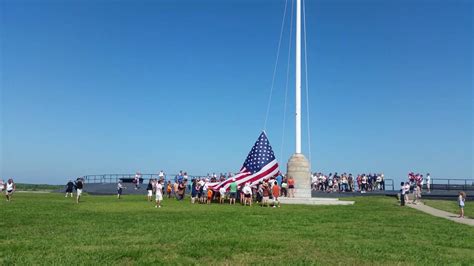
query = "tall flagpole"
x=298 y=76
x=298 y=167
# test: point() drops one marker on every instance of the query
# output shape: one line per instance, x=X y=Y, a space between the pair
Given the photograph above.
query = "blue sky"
x=92 y=87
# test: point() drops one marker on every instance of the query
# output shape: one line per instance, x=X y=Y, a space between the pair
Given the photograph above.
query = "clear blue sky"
x=92 y=87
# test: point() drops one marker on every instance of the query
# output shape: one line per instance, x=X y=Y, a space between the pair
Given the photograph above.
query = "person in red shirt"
x=276 y=195
x=291 y=187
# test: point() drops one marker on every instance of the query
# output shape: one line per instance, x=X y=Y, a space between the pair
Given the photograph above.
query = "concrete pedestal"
x=298 y=167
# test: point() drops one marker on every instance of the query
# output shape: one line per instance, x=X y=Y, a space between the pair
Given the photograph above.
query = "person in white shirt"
x=10 y=188
x=364 y=184
x=314 y=181
x=120 y=187
x=136 y=180
x=222 y=195
x=161 y=175
x=159 y=193
x=407 y=190
x=247 y=191
x=428 y=182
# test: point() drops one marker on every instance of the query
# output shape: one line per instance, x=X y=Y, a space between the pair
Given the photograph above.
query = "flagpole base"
x=298 y=167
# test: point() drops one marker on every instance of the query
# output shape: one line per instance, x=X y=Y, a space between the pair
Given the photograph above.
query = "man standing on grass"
x=69 y=188
x=120 y=187
x=79 y=187
x=10 y=188
x=233 y=191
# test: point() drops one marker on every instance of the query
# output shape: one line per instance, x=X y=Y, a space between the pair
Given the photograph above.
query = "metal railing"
x=451 y=184
x=114 y=178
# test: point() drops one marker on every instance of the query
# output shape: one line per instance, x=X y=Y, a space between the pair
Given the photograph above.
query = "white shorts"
x=150 y=193
x=159 y=197
x=79 y=192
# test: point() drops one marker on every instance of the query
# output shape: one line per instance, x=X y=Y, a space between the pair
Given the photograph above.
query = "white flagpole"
x=298 y=76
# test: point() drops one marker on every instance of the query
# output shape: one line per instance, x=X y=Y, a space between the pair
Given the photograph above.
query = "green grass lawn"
x=451 y=206
x=50 y=229
x=37 y=187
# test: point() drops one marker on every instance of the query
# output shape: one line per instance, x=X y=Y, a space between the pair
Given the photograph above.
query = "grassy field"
x=36 y=187
x=50 y=229
x=451 y=206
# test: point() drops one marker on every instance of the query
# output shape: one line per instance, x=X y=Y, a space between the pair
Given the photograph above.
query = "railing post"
x=449 y=187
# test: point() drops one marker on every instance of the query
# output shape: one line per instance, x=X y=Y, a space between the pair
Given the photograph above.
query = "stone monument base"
x=298 y=167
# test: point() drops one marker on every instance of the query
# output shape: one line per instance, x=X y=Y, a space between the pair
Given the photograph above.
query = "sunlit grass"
x=50 y=229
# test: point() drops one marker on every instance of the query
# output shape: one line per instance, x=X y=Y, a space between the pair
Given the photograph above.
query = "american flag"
x=260 y=164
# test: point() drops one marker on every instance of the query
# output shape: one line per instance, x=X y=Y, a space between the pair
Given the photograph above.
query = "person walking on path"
x=428 y=182
x=69 y=188
x=11 y=187
x=79 y=186
x=461 y=201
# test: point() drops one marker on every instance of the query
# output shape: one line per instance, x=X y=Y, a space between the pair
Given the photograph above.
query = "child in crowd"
x=461 y=202
x=209 y=196
x=168 y=189
x=276 y=195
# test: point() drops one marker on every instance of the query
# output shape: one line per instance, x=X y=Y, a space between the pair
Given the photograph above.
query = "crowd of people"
x=414 y=186
x=266 y=192
x=347 y=182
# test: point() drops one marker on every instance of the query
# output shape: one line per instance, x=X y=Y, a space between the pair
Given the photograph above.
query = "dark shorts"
x=69 y=190
x=248 y=195
x=232 y=195
x=291 y=186
x=119 y=191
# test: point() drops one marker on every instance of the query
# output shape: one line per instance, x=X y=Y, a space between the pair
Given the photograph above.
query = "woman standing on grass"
x=11 y=187
x=247 y=191
x=158 y=193
x=461 y=201
x=194 y=191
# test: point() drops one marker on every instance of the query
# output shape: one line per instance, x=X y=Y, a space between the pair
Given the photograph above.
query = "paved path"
x=442 y=214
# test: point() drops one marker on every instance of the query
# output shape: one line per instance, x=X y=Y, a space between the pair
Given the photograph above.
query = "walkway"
x=442 y=214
